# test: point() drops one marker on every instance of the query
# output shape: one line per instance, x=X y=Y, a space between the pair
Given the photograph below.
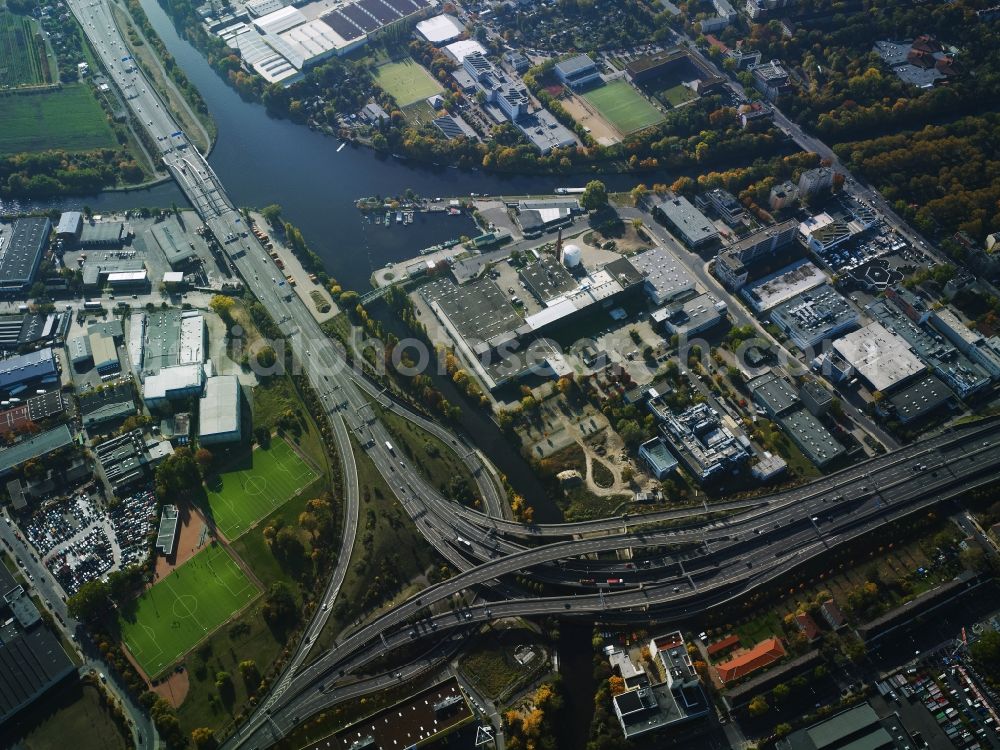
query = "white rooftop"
x=219 y=410
x=192 y=339
x=783 y=284
x=879 y=355
x=666 y=276
x=462 y=49
x=172 y=379
x=440 y=29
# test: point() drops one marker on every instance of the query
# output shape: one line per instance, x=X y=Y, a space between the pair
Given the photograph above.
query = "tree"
x=783 y=729
x=222 y=306
x=288 y=548
x=204 y=459
x=250 y=674
x=266 y=357
x=178 y=475
x=986 y=653
x=758 y=706
x=91 y=602
x=279 y=607
x=204 y=738
x=594 y=196
x=272 y=214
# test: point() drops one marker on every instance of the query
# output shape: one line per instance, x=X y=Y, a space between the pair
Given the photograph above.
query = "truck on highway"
x=388 y=447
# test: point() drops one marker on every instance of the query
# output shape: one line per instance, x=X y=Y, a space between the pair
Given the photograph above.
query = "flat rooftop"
x=812 y=438
x=783 y=284
x=666 y=277
x=34 y=447
x=880 y=356
x=920 y=398
x=547 y=278
x=479 y=311
x=688 y=220
x=21 y=254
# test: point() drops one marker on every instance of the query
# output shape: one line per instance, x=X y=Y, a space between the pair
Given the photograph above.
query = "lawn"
x=623 y=107
x=406 y=81
x=68 y=118
x=71 y=712
x=23 y=60
x=180 y=610
x=677 y=95
x=239 y=498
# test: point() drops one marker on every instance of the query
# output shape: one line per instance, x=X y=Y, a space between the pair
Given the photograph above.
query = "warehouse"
x=172 y=383
x=880 y=356
x=104 y=352
x=665 y=277
x=694 y=228
x=812 y=438
x=178 y=253
x=22 y=369
x=70 y=225
x=22 y=254
x=219 y=411
x=36 y=446
x=106 y=234
x=440 y=29
x=79 y=351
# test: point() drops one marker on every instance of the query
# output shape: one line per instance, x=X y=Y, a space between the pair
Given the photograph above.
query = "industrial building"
x=30 y=411
x=173 y=383
x=773 y=394
x=440 y=29
x=22 y=254
x=19 y=330
x=734 y=264
x=179 y=252
x=689 y=318
x=815 y=397
x=577 y=72
x=920 y=399
x=700 y=441
x=113 y=403
x=694 y=228
x=961 y=374
x=17 y=373
x=32 y=661
x=815 y=316
x=219 y=411
x=665 y=277
x=14 y=456
x=100 y=269
x=102 y=234
x=536 y=216
x=677 y=697
x=129 y=458
x=70 y=225
x=812 y=438
x=785 y=283
x=858 y=727
x=880 y=356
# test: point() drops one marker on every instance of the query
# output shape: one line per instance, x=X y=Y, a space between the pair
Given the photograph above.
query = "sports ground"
x=406 y=81
x=238 y=499
x=180 y=610
x=623 y=107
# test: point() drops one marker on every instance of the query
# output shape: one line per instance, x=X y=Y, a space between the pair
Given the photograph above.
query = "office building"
x=967 y=340
x=783 y=196
x=920 y=399
x=771 y=79
x=724 y=203
x=22 y=254
x=822 y=232
x=773 y=394
x=658 y=458
x=814 y=181
x=815 y=316
x=689 y=318
x=700 y=440
x=812 y=438
x=783 y=285
x=734 y=265
x=694 y=228
x=815 y=397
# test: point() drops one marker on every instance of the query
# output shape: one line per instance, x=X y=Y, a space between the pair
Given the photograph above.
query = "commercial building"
x=70 y=225
x=725 y=203
x=219 y=411
x=920 y=399
x=812 y=438
x=22 y=254
x=783 y=285
x=173 y=383
x=665 y=277
x=577 y=72
x=764 y=654
x=658 y=458
x=32 y=661
x=734 y=264
x=822 y=232
x=104 y=353
x=770 y=79
x=812 y=182
x=700 y=440
x=855 y=728
x=694 y=228
x=880 y=356
x=36 y=446
x=440 y=29
x=101 y=234
x=461 y=49
x=815 y=397
x=814 y=316
x=17 y=373
x=677 y=697
x=967 y=340
x=689 y=318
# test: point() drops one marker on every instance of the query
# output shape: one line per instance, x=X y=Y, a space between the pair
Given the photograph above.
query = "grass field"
x=185 y=607
x=241 y=497
x=623 y=107
x=68 y=118
x=676 y=95
x=406 y=81
x=22 y=57
x=71 y=709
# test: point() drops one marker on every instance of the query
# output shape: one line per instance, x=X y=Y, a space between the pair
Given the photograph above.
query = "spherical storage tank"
x=571 y=256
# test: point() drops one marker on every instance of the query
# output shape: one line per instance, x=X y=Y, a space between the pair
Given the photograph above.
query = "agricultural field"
x=239 y=498
x=67 y=118
x=182 y=609
x=406 y=81
x=623 y=107
x=23 y=57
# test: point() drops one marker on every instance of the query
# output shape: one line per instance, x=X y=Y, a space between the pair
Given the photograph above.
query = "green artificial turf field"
x=180 y=610
x=238 y=499
x=406 y=81
x=68 y=118
x=623 y=107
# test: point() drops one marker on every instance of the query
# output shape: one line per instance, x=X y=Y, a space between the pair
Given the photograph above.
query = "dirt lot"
x=583 y=113
x=174 y=689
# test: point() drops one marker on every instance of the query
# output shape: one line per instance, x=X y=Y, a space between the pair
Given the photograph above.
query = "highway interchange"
x=706 y=564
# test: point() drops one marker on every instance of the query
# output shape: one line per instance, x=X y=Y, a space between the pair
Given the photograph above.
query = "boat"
x=399 y=217
x=341 y=146
x=388 y=218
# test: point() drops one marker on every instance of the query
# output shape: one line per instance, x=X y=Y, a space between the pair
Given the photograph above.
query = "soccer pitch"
x=406 y=82
x=180 y=610
x=623 y=107
x=238 y=499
